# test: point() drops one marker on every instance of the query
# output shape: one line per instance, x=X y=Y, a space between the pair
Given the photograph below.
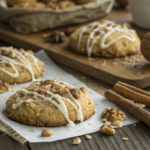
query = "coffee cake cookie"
x=105 y=39
x=18 y=66
x=50 y=103
x=4 y=87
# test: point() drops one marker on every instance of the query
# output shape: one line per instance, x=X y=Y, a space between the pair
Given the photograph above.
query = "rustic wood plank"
x=7 y=143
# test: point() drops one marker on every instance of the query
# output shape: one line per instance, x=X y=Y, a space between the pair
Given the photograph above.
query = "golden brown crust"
x=121 y=47
x=4 y=86
x=45 y=113
x=24 y=74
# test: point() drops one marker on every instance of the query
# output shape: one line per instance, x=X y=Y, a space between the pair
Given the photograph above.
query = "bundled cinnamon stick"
x=121 y=91
x=132 y=93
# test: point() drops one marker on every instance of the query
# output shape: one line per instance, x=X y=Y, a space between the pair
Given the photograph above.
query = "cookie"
x=18 y=66
x=16 y=2
x=4 y=87
x=60 y=5
x=50 y=103
x=105 y=39
x=30 y=5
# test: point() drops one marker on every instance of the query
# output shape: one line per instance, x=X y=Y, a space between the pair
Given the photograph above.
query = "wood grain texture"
x=125 y=70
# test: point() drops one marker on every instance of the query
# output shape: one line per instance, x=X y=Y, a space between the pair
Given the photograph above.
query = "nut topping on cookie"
x=105 y=39
x=50 y=103
x=4 y=86
x=18 y=65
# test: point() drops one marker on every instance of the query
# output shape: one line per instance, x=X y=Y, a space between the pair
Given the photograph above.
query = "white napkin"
x=33 y=133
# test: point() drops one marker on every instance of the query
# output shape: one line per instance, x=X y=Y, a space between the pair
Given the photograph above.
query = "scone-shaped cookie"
x=4 y=87
x=105 y=39
x=18 y=66
x=50 y=103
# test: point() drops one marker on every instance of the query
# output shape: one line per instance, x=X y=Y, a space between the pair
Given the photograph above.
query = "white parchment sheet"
x=33 y=133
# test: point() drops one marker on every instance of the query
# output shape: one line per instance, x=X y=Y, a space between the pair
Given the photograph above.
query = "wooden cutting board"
x=134 y=69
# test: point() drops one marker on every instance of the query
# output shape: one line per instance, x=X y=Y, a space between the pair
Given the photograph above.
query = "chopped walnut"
x=104 y=120
x=108 y=130
x=30 y=51
x=76 y=141
x=46 y=133
x=4 y=86
x=117 y=123
x=107 y=123
x=88 y=137
x=113 y=114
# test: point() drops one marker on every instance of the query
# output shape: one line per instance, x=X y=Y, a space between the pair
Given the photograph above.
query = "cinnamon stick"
x=129 y=106
x=132 y=93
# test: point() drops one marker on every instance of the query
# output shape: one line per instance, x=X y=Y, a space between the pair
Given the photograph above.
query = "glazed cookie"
x=18 y=66
x=105 y=39
x=4 y=87
x=50 y=103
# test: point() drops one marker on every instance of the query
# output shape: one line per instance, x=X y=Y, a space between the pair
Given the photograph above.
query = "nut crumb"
x=88 y=137
x=76 y=141
x=108 y=130
x=90 y=59
x=117 y=123
x=13 y=90
x=62 y=78
x=15 y=83
x=125 y=139
x=115 y=64
x=46 y=132
x=89 y=124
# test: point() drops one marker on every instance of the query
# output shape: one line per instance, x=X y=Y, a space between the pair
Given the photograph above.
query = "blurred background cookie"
x=4 y=87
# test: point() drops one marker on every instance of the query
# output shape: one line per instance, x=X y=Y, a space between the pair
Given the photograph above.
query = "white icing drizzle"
x=34 y=59
x=24 y=62
x=61 y=106
x=107 y=25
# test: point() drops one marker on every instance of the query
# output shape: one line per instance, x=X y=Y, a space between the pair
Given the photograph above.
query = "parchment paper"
x=33 y=134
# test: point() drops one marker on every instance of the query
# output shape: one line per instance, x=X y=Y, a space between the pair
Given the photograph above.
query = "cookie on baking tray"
x=18 y=66
x=50 y=103
x=4 y=87
x=105 y=39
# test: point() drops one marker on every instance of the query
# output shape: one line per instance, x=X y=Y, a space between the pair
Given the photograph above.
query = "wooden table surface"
x=139 y=135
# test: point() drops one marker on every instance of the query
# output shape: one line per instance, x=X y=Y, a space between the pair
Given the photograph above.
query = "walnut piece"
x=88 y=137
x=117 y=123
x=4 y=86
x=46 y=132
x=107 y=129
x=113 y=114
x=76 y=141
